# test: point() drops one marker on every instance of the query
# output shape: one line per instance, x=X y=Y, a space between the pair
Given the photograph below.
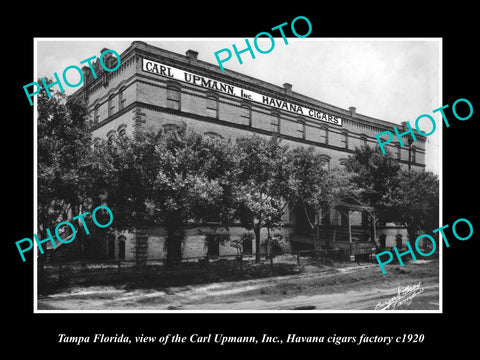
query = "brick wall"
x=194 y=243
x=146 y=106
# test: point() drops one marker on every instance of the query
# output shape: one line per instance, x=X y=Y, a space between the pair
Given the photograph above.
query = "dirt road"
x=339 y=287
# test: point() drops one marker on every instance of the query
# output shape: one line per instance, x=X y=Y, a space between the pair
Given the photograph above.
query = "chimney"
x=192 y=55
x=352 y=109
x=107 y=58
x=86 y=74
x=287 y=87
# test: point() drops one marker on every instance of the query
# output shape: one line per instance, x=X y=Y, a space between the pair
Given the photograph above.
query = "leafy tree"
x=221 y=162
x=415 y=201
x=263 y=188
x=66 y=185
x=375 y=175
x=169 y=180
x=127 y=168
x=317 y=190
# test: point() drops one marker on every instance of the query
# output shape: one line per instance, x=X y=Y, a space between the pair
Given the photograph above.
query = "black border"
x=442 y=331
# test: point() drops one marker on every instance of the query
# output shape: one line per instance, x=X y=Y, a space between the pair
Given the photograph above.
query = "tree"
x=129 y=166
x=375 y=175
x=190 y=183
x=66 y=185
x=263 y=189
x=415 y=201
x=169 y=180
x=317 y=190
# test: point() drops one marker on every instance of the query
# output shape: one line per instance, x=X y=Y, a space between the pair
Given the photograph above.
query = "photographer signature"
x=403 y=296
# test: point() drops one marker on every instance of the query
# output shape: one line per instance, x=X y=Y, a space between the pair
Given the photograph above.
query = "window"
x=324 y=135
x=325 y=162
x=345 y=139
x=343 y=162
x=173 y=98
x=212 y=107
x=275 y=123
x=111 y=105
x=96 y=115
x=122 y=130
x=246 y=114
x=121 y=99
x=363 y=140
x=121 y=247
x=301 y=129
x=110 y=136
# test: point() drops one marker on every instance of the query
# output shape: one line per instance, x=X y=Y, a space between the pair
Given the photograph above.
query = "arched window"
x=363 y=140
x=121 y=99
x=324 y=135
x=325 y=162
x=121 y=247
x=275 y=123
x=122 y=130
x=212 y=107
x=301 y=128
x=173 y=98
x=343 y=162
x=111 y=105
x=246 y=114
x=110 y=136
x=96 y=114
x=414 y=155
x=345 y=139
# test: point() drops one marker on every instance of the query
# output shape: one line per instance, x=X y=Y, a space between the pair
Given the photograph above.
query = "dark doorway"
x=121 y=247
x=247 y=246
x=302 y=225
x=111 y=248
x=398 y=240
x=382 y=241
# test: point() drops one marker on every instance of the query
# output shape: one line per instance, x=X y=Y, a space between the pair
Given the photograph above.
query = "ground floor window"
x=111 y=248
x=247 y=246
x=398 y=240
x=213 y=248
x=212 y=244
x=121 y=247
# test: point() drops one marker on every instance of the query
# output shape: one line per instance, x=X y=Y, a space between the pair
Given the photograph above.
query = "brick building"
x=154 y=88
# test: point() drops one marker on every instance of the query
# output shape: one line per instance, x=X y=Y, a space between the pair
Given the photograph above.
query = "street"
x=338 y=287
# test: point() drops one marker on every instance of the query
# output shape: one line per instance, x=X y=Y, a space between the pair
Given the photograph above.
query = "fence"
x=205 y=263
x=197 y=270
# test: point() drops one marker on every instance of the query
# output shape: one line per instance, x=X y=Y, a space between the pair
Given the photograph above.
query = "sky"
x=391 y=79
